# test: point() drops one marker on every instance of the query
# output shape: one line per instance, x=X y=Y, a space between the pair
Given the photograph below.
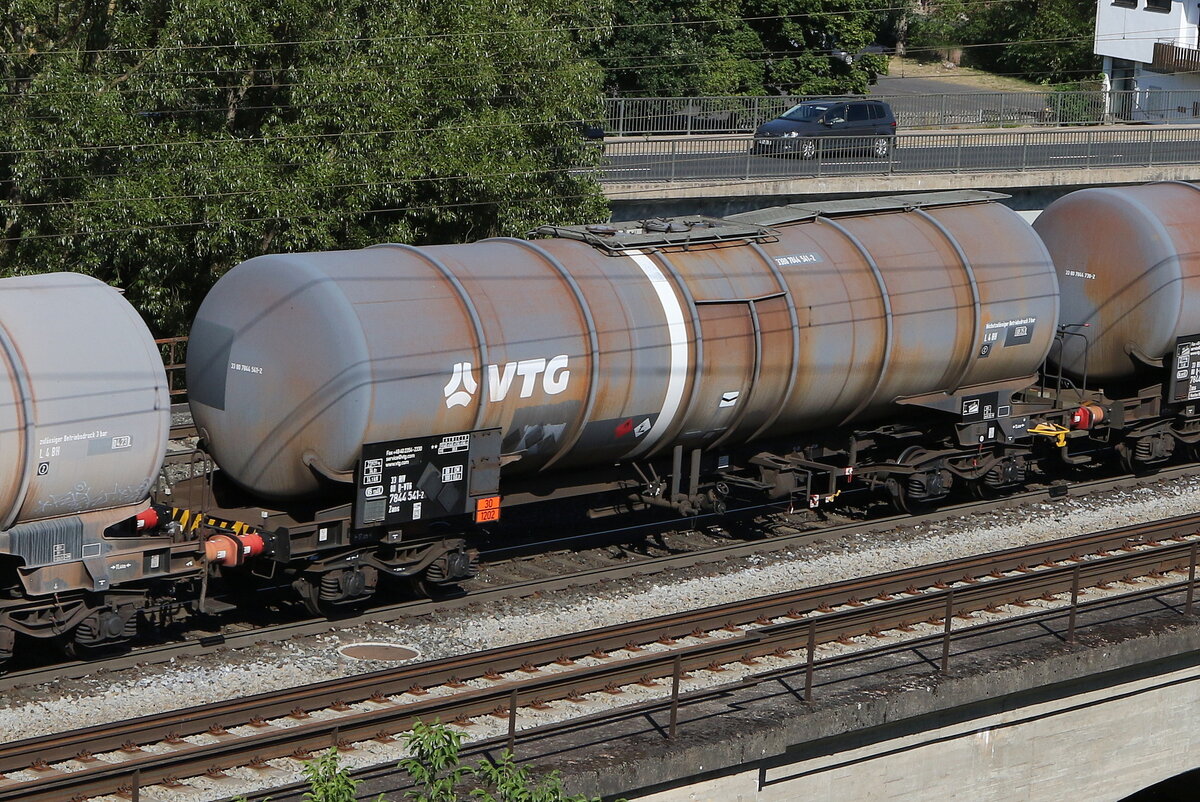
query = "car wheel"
x=881 y=147
x=808 y=149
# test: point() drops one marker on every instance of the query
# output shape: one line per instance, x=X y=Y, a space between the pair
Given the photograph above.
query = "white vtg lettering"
x=554 y=374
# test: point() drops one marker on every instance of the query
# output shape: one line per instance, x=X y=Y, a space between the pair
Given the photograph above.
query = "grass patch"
x=978 y=79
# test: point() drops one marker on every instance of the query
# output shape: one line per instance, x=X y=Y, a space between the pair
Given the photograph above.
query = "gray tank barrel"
x=587 y=348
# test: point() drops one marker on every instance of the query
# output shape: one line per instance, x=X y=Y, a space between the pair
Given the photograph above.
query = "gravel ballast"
x=65 y=705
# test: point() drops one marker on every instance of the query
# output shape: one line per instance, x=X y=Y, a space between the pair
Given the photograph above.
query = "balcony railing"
x=1170 y=57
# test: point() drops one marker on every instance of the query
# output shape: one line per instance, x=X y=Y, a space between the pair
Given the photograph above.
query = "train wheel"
x=1145 y=455
x=903 y=501
x=1125 y=457
x=104 y=631
x=7 y=638
x=921 y=490
x=442 y=576
x=337 y=592
x=423 y=588
x=980 y=490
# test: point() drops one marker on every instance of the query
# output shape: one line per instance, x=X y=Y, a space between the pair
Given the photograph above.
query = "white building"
x=1150 y=45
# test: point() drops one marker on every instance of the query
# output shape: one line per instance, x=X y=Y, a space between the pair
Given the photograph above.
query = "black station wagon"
x=866 y=125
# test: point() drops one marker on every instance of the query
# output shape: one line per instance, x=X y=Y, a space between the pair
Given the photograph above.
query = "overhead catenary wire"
x=222 y=142
x=498 y=32
x=276 y=137
x=74 y=52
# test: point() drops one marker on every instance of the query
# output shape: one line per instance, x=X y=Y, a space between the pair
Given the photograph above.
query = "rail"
x=738 y=158
x=813 y=616
x=658 y=116
x=629 y=564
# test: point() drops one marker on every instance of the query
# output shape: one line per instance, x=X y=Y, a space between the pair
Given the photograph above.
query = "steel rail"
x=209 y=644
x=914 y=644
x=885 y=613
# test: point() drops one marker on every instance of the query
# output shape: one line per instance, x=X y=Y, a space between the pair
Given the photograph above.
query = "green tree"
x=1046 y=40
x=723 y=47
x=155 y=144
x=1051 y=40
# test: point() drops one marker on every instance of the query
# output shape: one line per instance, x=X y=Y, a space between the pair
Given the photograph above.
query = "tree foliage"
x=437 y=771
x=1046 y=40
x=330 y=781
x=156 y=143
x=438 y=774
x=673 y=48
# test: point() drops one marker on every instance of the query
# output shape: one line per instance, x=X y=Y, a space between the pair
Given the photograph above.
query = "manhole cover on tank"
x=378 y=651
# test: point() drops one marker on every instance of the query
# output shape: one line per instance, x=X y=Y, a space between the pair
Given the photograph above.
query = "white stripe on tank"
x=677 y=375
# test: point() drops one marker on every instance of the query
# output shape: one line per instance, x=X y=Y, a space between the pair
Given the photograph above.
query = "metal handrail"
x=734 y=158
x=638 y=116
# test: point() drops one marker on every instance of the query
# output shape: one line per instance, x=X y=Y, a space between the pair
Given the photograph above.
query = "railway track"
x=632 y=566
x=380 y=704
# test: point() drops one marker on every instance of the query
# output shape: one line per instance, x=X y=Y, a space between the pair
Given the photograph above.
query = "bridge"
x=719 y=175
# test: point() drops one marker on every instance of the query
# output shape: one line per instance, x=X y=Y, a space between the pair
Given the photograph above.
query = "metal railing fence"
x=731 y=158
x=173 y=350
x=729 y=115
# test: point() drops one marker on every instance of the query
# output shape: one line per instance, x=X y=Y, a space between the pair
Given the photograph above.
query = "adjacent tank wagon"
x=1128 y=259
x=84 y=420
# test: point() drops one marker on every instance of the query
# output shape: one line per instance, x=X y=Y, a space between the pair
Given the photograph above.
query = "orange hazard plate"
x=487 y=509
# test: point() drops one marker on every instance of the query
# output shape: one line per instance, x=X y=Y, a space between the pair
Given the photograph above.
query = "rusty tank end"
x=1128 y=262
x=595 y=345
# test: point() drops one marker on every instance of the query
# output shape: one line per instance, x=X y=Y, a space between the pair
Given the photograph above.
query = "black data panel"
x=1185 y=376
x=976 y=408
x=402 y=481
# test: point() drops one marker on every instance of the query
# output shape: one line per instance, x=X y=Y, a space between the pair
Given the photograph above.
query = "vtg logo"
x=462 y=385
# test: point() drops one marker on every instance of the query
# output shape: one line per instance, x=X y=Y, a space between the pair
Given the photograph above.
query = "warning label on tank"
x=70 y=438
x=1005 y=333
x=402 y=481
x=983 y=407
x=1185 y=377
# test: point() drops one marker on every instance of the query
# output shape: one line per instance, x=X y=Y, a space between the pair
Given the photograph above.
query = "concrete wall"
x=1031 y=191
x=1102 y=745
x=1021 y=715
x=1148 y=81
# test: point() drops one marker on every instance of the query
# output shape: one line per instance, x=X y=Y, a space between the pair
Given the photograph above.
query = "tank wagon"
x=1128 y=261
x=84 y=417
x=786 y=353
